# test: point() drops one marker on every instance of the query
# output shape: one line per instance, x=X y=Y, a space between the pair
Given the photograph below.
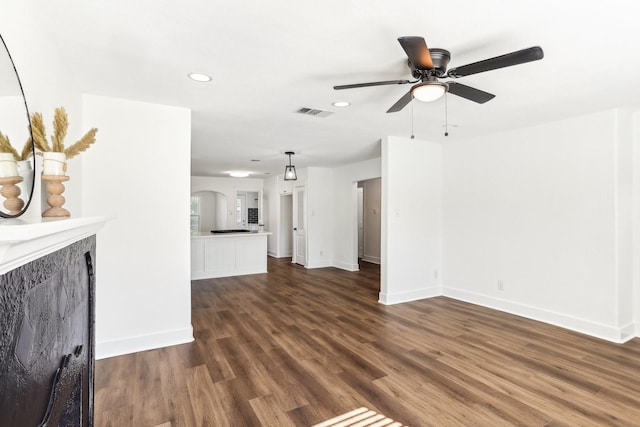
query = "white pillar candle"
x=54 y=163
x=8 y=165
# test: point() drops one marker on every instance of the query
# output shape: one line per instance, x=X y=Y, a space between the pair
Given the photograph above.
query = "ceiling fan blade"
x=417 y=51
x=470 y=93
x=401 y=103
x=507 y=60
x=386 y=82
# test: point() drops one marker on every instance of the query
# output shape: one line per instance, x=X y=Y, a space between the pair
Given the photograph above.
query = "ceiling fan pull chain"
x=412 y=135
x=446 y=116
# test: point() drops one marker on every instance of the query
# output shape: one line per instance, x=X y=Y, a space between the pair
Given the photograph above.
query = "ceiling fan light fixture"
x=429 y=91
x=290 y=170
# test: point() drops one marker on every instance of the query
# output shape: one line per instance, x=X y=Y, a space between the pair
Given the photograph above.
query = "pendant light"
x=290 y=171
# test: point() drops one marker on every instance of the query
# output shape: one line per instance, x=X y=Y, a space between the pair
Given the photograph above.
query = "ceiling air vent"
x=314 y=112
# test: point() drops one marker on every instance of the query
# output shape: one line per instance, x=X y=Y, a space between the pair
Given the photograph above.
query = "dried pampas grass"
x=6 y=147
x=39 y=134
x=80 y=146
x=60 y=126
x=27 y=150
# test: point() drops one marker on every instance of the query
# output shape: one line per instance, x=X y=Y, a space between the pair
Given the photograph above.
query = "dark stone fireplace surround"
x=46 y=339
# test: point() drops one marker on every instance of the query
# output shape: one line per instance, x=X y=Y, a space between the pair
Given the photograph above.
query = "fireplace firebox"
x=46 y=339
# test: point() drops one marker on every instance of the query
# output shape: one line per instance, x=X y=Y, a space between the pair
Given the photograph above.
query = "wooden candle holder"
x=55 y=188
x=11 y=192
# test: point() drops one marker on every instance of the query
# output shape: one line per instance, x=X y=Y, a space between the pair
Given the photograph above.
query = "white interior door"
x=299 y=227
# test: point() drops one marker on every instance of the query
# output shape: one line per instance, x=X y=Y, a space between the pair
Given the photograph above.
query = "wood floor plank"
x=267 y=408
x=208 y=402
x=305 y=416
x=298 y=346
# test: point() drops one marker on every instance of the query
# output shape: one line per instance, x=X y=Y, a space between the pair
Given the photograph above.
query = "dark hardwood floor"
x=295 y=347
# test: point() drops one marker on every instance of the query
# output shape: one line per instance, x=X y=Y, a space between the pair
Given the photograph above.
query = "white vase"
x=54 y=163
x=8 y=166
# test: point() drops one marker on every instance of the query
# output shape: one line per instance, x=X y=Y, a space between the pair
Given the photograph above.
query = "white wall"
x=252 y=199
x=623 y=232
x=538 y=210
x=411 y=220
x=345 y=210
x=222 y=206
x=213 y=208
x=319 y=217
x=636 y=220
x=47 y=84
x=207 y=210
x=138 y=173
x=372 y=190
x=228 y=187
x=271 y=219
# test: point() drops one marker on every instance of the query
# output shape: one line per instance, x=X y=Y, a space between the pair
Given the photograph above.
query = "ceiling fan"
x=430 y=65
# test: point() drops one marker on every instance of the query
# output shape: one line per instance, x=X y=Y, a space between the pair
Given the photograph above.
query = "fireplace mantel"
x=25 y=240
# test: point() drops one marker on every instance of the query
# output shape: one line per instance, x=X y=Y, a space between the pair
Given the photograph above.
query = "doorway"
x=208 y=211
x=369 y=220
x=299 y=227
x=241 y=211
x=285 y=230
x=247 y=210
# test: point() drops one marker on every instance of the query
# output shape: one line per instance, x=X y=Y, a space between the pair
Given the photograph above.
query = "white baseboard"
x=228 y=273
x=371 y=259
x=632 y=330
x=274 y=254
x=316 y=264
x=400 y=297
x=346 y=266
x=598 y=330
x=606 y=332
x=135 y=344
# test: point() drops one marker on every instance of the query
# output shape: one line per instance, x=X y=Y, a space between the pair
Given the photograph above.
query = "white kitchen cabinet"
x=232 y=254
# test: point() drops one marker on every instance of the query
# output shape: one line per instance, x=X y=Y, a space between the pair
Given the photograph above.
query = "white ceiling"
x=269 y=58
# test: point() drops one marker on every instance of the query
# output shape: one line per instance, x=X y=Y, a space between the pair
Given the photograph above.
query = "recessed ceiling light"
x=255 y=160
x=341 y=104
x=199 y=77
x=239 y=174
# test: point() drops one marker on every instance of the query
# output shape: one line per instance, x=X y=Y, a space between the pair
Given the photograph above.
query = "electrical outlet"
x=320 y=253
x=435 y=274
x=500 y=285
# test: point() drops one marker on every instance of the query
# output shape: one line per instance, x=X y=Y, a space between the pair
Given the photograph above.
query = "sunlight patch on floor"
x=361 y=417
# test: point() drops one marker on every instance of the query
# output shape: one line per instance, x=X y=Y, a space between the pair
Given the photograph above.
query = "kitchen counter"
x=205 y=234
x=228 y=254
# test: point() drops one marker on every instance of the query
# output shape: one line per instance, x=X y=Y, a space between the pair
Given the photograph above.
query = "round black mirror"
x=17 y=168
